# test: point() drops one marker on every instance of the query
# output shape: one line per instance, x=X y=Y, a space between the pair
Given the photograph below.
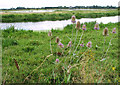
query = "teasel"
x=61 y=45
x=73 y=19
x=105 y=31
x=89 y=44
x=82 y=45
x=49 y=33
x=78 y=25
x=57 y=40
x=57 y=60
x=84 y=27
x=69 y=44
x=114 y=30
x=96 y=26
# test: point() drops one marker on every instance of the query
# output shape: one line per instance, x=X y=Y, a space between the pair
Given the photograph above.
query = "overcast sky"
x=53 y=3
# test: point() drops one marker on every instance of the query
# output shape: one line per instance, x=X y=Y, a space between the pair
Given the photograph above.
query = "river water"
x=48 y=25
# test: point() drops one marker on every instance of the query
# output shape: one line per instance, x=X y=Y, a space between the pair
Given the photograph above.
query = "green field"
x=56 y=15
x=32 y=52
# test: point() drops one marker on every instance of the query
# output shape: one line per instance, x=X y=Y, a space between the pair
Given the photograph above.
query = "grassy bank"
x=31 y=49
x=57 y=15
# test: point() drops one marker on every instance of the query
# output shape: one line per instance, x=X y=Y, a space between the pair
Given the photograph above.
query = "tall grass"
x=31 y=49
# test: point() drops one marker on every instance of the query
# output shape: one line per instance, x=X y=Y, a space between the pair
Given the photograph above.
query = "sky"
x=55 y=3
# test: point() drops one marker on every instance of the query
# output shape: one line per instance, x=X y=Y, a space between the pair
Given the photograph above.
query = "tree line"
x=65 y=7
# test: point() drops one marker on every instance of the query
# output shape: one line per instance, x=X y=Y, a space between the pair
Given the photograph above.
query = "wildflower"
x=49 y=33
x=73 y=19
x=113 y=68
x=61 y=45
x=89 y=44
x=84 y=27
x=96 y=26
x=105 y=31
x=82 y=45
x=78 y=25
x=114 y=30
x=57 y=40
x=57 y=60
x=69 y=44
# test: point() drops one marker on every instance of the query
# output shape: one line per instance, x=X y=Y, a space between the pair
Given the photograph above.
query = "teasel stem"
x=71 y=39
x=36 y=68
x=78 y=42
x=104 y=44
x=97 y=37
x=108 y=47
x=50 y=45
x=82 y=55
x=75 y=38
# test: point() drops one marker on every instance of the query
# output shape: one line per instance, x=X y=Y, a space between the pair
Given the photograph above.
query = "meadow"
x=56 y=15
x=35 y=57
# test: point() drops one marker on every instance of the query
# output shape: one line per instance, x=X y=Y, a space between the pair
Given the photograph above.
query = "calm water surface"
x=48 y=25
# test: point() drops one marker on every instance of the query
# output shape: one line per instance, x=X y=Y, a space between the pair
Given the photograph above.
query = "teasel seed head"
x=57 y=40
x=78 y=25
x=73 y=19
x=57 y=60
x=96 y=26
x=69 y=44
x=89 y=44
x=82 y=45
x=105 y=31
x=84 y=27
x=61 y=45
x=114 y=30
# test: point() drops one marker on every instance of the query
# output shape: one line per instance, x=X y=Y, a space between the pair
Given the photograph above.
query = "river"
x=48 y=25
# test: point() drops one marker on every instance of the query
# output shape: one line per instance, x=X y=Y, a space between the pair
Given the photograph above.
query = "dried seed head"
x=89 y=44
x=84 y=27
x=78 y=25
x=49 y=33
x=114 y=30
x=73 y=19
x=57 y=40
x=105 y=31
x=96 y=26
x=61 y=45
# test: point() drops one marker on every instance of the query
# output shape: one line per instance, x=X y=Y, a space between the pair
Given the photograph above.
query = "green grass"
x=57 y=15
x=30 y=49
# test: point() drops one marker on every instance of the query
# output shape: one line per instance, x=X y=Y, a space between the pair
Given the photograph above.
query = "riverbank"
x=30 y=49
x=57 y=15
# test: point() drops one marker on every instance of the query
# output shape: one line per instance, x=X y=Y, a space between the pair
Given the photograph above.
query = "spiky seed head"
x=73 y=19
x=78 y=25
x=105 y=31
